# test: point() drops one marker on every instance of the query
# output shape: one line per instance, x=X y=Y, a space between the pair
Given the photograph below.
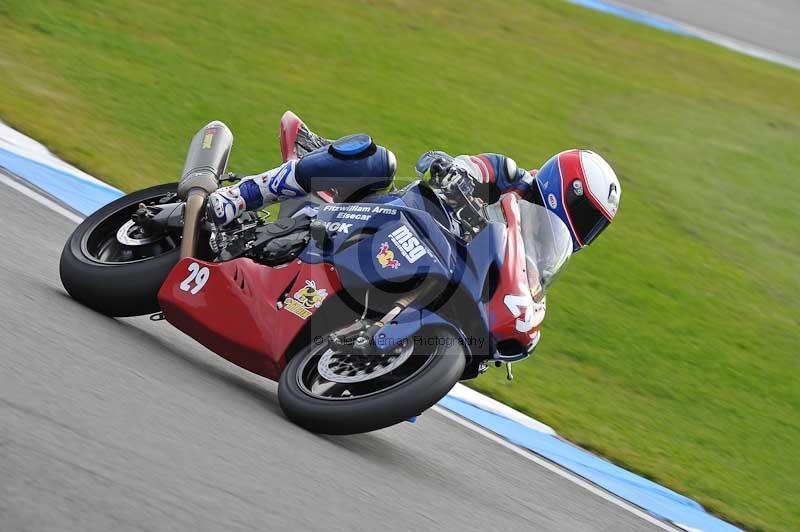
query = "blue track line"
x=651 y=497
x=82 y=195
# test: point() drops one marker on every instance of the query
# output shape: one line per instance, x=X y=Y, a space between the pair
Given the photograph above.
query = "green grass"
x=671 y=346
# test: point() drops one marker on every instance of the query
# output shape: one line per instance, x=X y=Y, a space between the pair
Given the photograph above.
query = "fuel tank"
x=207 y=159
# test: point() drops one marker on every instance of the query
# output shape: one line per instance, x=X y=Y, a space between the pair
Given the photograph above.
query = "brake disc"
x=347 y=368
x=128 y=235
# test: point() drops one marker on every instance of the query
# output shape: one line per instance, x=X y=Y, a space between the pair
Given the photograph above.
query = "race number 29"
x=196 y=280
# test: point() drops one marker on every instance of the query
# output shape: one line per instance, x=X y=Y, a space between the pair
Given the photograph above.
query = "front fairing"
x=547 y=243
x=383 y=244
x=536 y=249
x=390 y=249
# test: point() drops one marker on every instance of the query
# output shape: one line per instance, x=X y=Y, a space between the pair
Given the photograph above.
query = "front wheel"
x=334 y=391
x=112 y=265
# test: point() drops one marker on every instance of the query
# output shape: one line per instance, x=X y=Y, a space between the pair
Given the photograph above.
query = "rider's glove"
x=446 y=172
x=425 y=164
x=453 y=176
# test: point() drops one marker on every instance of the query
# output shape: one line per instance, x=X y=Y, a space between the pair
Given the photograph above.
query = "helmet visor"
x=587 y=220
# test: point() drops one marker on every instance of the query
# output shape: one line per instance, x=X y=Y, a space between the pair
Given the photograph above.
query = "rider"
x=579 y=186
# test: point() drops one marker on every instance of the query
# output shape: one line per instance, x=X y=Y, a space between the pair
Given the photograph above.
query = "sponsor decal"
x=410 y=247
x=366 y=210
x=208 y=139
x=354 y=207
x=353 y=216
x=386 y=258
x=551 y=199
x=305 y=299
x=338 y=227
x=384 y=210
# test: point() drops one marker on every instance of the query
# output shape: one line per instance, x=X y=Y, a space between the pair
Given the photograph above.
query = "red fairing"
x=238 y=309
x=512 y=313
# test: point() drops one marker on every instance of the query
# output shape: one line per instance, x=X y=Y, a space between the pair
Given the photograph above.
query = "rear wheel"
x=335 y=391
x=114 y=266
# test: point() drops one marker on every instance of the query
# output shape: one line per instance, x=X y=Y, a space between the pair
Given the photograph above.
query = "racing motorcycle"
x=367 y=312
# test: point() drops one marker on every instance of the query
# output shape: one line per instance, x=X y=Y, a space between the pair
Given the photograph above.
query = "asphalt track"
x=769 y=24
x=129 y=425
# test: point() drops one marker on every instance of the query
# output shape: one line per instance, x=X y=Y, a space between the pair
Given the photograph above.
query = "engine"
x=272 y=244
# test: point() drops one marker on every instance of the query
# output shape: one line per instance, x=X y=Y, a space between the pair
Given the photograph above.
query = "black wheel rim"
x=312 y=383
x=115 y=239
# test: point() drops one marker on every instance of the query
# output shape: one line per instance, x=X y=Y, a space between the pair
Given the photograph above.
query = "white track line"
x=558 y=470
x=39 y=198
x=580 y=481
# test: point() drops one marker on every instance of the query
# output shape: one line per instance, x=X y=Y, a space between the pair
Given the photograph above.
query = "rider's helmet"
x=580 y=187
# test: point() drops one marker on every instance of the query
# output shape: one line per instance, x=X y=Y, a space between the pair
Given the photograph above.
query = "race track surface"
x=129 y=425
x=770 y=24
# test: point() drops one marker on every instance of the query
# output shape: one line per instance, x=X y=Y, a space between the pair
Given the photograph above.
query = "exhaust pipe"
x=205 y=164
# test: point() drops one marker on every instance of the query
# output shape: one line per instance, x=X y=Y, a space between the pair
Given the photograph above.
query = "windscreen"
x=548 y=245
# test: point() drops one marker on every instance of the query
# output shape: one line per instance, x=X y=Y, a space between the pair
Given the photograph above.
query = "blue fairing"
x=407 y=323
x=392 y=238
x=364 y=247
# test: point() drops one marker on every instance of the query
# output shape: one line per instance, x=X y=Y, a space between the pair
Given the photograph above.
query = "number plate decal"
x=196 y=280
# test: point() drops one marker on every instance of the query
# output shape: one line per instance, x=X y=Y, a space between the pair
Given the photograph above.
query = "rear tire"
x=117 y=288
x=380 y=409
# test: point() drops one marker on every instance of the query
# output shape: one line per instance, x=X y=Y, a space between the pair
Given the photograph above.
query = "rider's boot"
x=255 y=192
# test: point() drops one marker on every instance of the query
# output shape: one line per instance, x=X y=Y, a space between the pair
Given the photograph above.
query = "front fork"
x=361 y=335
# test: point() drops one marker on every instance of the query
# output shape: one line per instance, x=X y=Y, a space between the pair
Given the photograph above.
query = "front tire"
x=408 y=390
x=115 y=279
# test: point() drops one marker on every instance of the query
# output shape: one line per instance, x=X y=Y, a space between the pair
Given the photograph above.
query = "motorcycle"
x=366 y=312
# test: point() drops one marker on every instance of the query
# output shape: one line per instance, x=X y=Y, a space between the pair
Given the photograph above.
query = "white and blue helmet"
x=581 y=188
